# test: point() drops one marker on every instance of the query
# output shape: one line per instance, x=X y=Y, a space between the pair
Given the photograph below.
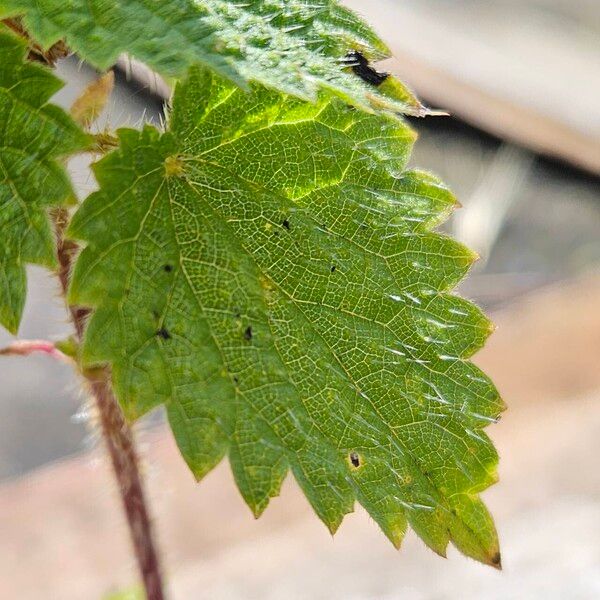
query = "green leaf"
x=295 y=46
x=266 y=270
x=34 y=135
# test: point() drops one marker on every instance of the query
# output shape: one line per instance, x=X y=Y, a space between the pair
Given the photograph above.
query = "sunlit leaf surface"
x=266 y=269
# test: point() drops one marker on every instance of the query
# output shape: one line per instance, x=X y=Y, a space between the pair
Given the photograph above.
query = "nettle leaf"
x=295 y=46
x=34 y=136
x=266 y=270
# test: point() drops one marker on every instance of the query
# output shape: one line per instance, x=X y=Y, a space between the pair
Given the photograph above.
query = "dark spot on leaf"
x=155 y=313
x=163 y=333
x=355 y=459
x=497 y=560
x=361 y=67
x=332 y=269
x=286 y=224
x=168 y=268
x=248 y=333
x=236 y=380
x=276 y=232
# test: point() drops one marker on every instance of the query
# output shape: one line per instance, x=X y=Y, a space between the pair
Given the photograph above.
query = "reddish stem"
x=117 y=435
x=119 y=440
x=27 y=347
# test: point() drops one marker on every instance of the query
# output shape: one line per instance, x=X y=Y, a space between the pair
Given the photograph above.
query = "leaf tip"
x=333 y=527
x=474 y=256
x=334 y=524
x=12 y=326
x=396 y=536
x=502 y=406
x=10 y=316
x=258 y=509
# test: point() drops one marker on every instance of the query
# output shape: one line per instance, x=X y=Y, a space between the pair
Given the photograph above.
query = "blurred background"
x=521 y=150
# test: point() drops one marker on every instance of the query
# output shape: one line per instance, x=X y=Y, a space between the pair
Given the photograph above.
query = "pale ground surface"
x=61 y=534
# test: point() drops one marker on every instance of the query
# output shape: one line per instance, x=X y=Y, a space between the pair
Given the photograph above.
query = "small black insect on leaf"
x=248 y=333
x=332 y=268
x=286 y=224
x=168 y=268
x=163 y=333
x=355 y=459
x=361 y=67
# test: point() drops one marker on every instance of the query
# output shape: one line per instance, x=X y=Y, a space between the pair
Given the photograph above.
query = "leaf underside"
x=295 y=46
x=34 y=136
x=266 y=269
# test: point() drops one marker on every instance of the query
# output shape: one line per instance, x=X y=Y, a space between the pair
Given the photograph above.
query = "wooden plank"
x=518 y=70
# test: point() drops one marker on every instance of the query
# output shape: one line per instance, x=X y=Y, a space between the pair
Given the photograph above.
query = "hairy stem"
x=27 y=347
x=118 y=437
x=119 y=440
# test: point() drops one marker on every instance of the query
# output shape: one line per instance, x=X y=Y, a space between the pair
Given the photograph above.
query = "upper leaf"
x=34 y=135
x=266 y=269
x=296 y=46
